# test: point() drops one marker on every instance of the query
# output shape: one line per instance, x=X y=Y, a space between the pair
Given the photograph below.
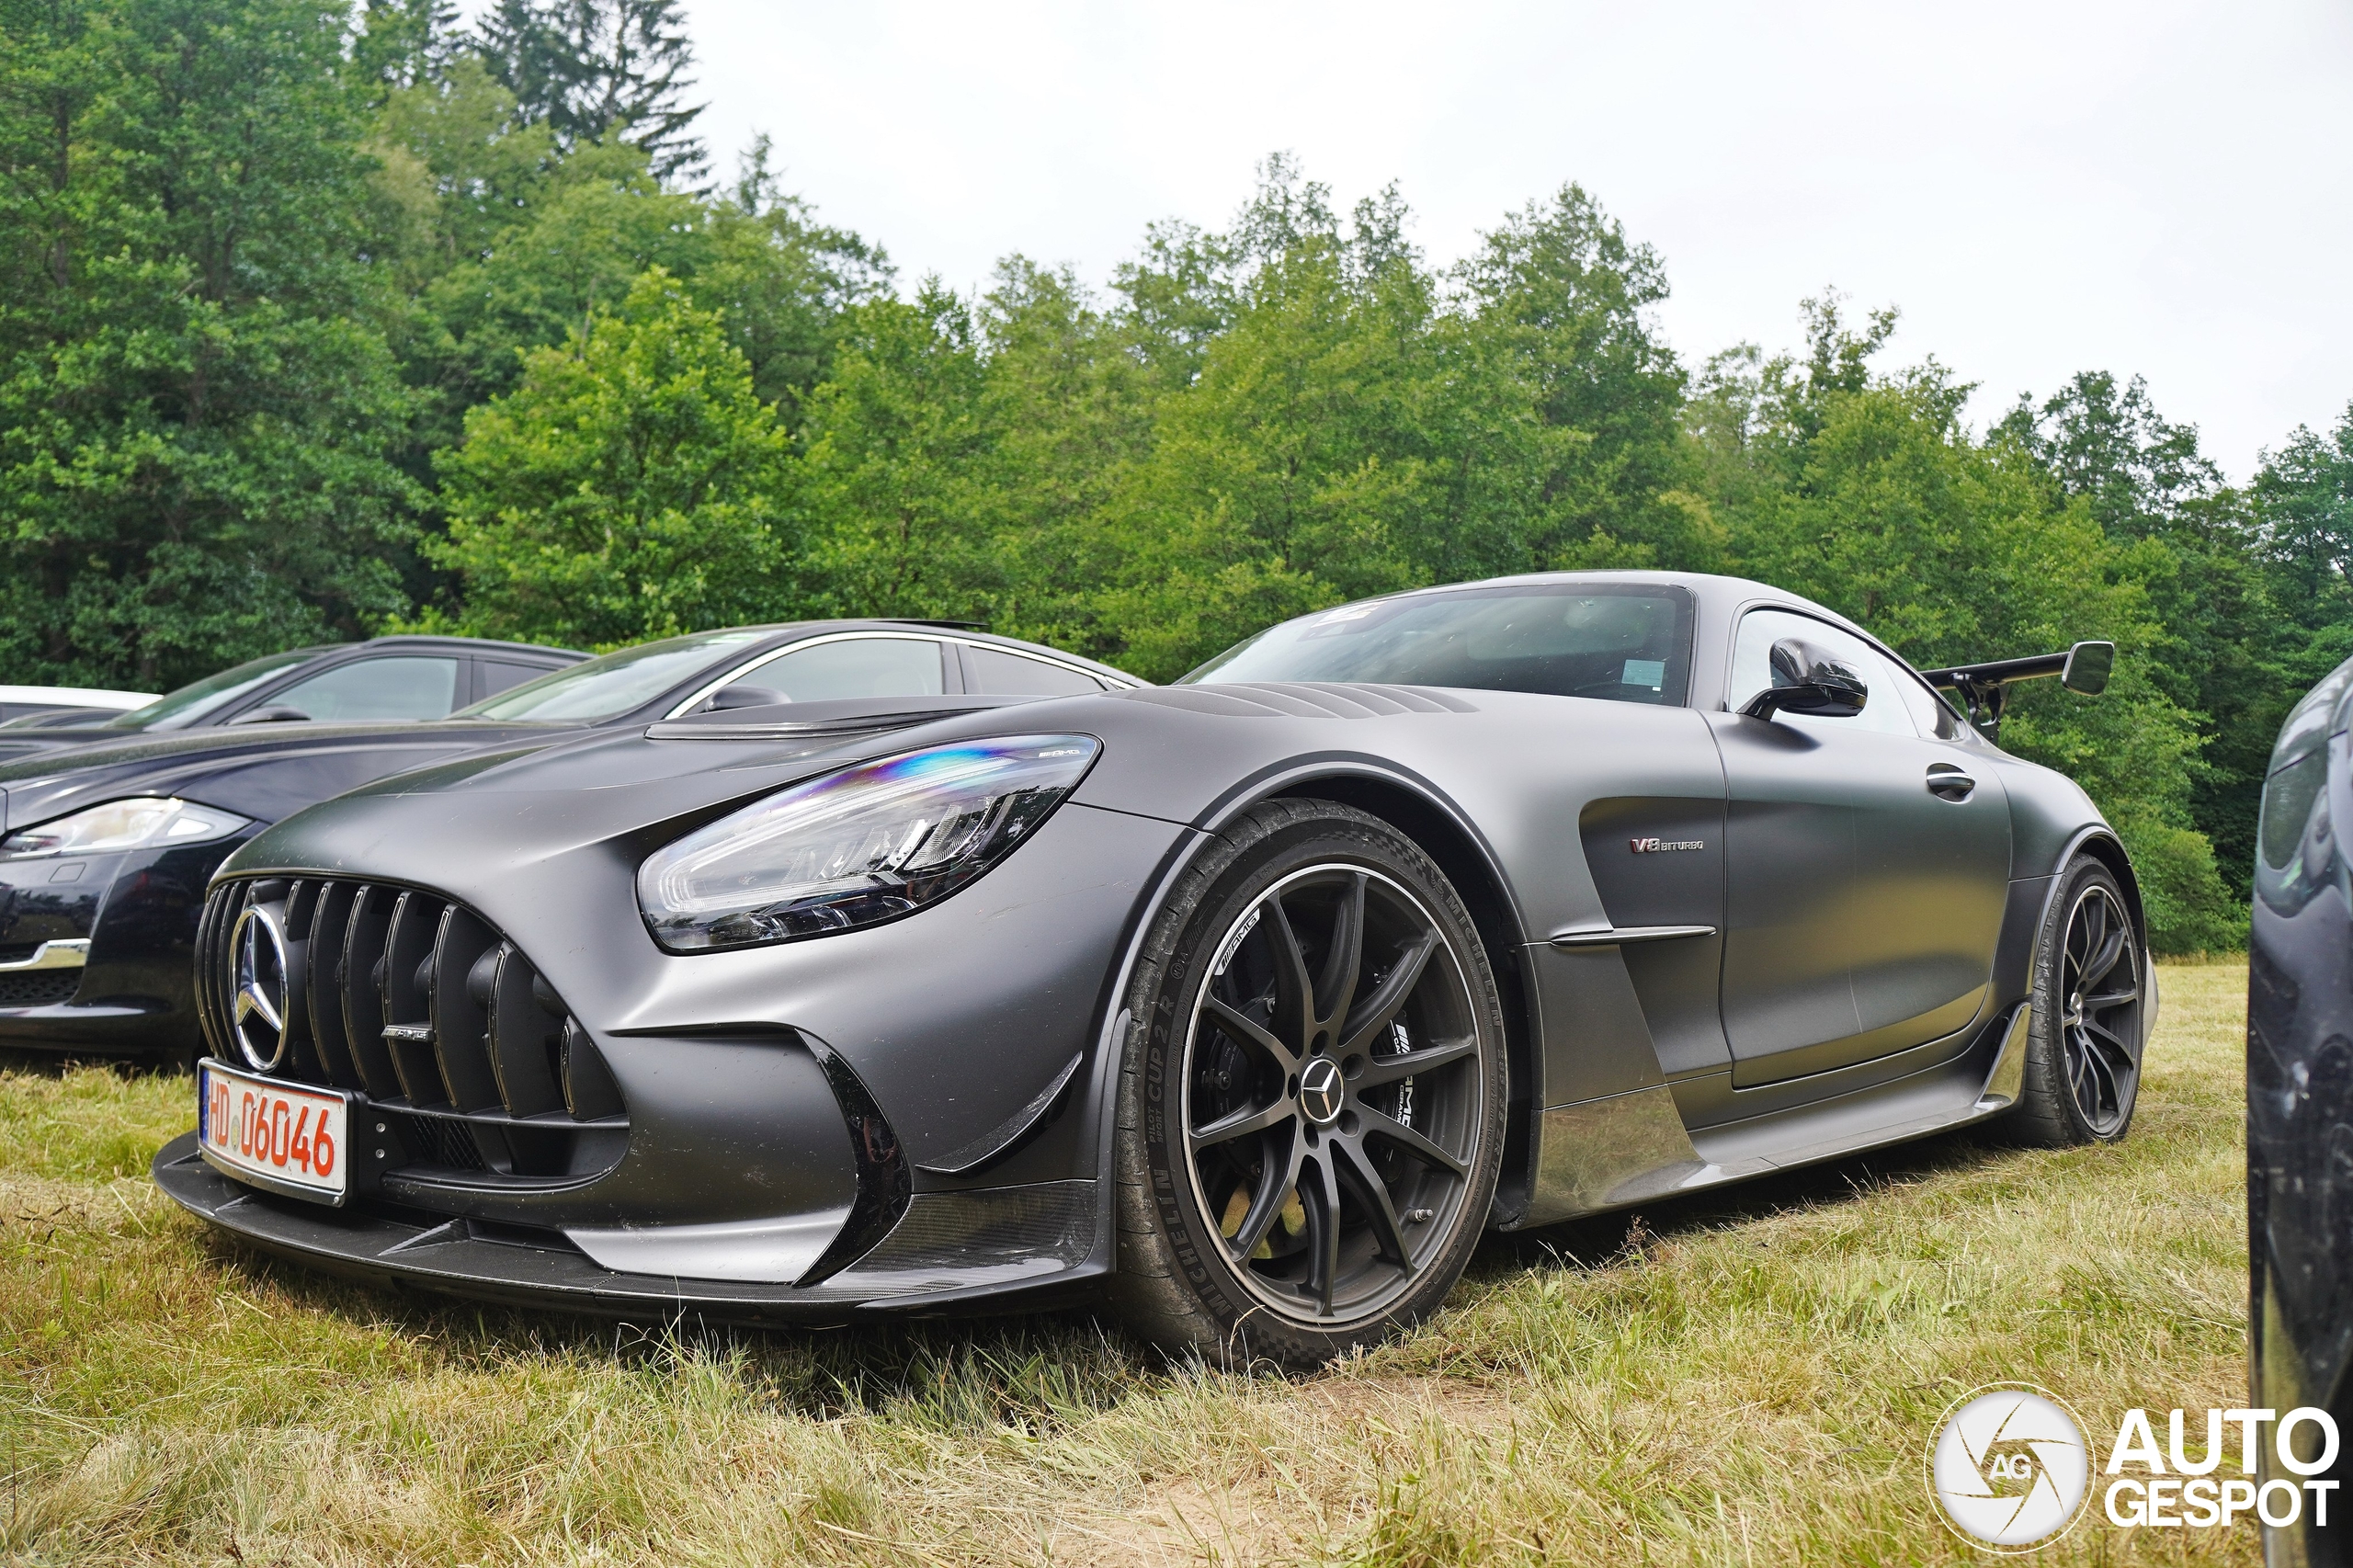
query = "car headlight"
x=123 y=824
x=859 y=846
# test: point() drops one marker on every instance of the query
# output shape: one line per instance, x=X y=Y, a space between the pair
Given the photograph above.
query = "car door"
x=1867 y=866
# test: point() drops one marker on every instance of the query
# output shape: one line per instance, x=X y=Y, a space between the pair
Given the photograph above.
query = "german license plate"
x=274 y=1135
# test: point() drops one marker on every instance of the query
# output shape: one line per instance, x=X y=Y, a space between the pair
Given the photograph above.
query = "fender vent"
x=467 y=1057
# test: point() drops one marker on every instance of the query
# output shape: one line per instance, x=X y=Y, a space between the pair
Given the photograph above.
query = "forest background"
x=318 y=322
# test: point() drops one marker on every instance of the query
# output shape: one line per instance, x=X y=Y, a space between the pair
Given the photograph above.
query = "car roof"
x=953 y=632
x=1718 y=593
x=442 y=644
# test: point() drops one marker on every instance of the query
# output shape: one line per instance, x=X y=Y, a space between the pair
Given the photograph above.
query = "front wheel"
x=2083 y=1064
x=1312 y=1105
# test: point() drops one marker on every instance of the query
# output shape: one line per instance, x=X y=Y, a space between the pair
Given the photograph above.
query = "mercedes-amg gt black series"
x=1249 y=1001
x=105 y=850
x=2299 y=1101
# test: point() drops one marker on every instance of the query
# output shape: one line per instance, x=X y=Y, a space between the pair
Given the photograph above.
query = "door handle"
x=1948 y=783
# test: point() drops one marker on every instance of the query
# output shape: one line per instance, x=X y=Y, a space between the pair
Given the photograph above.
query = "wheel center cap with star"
x=1321 y=1091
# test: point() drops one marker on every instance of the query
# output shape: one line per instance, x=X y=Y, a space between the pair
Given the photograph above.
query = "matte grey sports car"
x=1247 y=1003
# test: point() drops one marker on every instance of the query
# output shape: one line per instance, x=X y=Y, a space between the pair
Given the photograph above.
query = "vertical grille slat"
x=408 y=1022
x=302 y=1025
x=301 y=898
x=211 y=961
x=330 y=923
x=363 y=1005
x=522 y=1038
x=589 y=1091
x=460 y=1027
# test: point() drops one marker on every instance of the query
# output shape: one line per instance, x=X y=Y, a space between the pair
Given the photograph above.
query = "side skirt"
x=1634 y=1148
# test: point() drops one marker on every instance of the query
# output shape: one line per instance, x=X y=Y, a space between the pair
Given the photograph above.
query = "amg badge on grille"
x=1666 y=845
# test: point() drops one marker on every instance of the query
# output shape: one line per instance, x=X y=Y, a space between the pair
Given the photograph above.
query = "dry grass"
x=1750 y=1382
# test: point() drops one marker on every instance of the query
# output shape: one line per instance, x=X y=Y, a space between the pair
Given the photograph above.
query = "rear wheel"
x=1312 y=1106
x=2083 y=1067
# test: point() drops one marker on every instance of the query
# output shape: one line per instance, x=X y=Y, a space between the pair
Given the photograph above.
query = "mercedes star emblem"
x=258 y=1015
x=1320 y=1091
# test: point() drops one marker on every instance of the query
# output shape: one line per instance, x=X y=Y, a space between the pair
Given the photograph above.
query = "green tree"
x=2304 y=496
x=591 y=69
x=401 y=43
x=1291 y=473
x=1560 y=296
x=632 y=486
x=2218 y=650
x=898 y=471
x=198 y=413
x=1338 y=420
x=496 y=242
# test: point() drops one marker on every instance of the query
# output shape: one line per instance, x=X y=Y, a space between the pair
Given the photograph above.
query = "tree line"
x=317 y=322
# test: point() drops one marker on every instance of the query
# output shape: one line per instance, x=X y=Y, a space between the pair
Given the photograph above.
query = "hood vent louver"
x=1300 y=699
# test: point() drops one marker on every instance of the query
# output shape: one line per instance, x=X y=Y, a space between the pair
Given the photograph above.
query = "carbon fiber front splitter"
x=1021 y=1248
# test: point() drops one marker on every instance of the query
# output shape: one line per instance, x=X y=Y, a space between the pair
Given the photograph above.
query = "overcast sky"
x=2158 y=188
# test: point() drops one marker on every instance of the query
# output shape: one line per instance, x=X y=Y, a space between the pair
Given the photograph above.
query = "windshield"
x=1624 y=644
x=607 y=687
x=177 y=709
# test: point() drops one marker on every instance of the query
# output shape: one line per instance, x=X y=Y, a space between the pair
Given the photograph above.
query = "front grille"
x=39 y=988
x=469 y=1060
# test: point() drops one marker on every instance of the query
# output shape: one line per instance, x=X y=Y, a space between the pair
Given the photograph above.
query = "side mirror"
x=744 y=697
x=1809 y=679
x=272 y=714
x=2087 y=667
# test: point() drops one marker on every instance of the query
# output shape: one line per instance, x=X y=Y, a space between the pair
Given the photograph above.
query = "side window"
x=1886 y=710
x=1931 y=715
x=1017 y=675
x=497 y=676
x=378 y=688
x=860 y=666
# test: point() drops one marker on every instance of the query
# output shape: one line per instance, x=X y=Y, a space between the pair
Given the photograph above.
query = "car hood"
x=260 y=772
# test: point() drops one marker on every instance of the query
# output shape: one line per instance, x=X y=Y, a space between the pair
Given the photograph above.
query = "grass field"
x=1744 y=1380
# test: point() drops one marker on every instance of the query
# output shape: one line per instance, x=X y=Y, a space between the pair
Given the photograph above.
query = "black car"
x=2300 y=1097
x=104 y=849
x=1248 y=1002
x=383 y=678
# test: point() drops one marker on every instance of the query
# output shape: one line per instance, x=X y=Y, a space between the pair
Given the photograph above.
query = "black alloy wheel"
x=1331 y=1093
x=2083 y=1067
x=2099 y=1032
x=1319 y=1095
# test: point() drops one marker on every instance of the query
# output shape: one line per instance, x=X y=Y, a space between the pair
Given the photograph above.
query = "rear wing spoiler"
x=1984 y=688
